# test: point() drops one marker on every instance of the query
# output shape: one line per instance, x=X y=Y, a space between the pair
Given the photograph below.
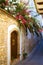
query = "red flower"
x=40 y=30
x=17 y=17
x=20 y=17
x=23 y=21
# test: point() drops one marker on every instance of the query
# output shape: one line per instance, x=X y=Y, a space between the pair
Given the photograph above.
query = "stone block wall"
x=5 y=21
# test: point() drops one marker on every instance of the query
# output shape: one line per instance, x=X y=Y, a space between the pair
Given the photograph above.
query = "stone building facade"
x=8 y=24
x=10 y=27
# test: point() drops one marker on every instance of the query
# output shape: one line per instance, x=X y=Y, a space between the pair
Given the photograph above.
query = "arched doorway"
x=14 y=42
x=11 y=29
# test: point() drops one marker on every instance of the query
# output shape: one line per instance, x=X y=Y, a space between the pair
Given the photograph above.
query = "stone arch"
x=12 y=28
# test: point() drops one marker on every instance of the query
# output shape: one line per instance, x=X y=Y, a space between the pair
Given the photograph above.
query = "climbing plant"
x=22 y=14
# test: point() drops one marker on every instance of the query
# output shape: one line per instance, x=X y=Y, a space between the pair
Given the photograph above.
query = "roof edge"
x=7 y=13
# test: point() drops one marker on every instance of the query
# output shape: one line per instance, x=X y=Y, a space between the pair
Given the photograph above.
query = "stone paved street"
x=37 y=56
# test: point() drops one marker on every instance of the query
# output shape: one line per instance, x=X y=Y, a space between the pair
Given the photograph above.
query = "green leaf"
x=14 y=0
x=2 y=1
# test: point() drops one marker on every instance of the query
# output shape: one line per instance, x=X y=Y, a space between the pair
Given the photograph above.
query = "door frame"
x=12 y=28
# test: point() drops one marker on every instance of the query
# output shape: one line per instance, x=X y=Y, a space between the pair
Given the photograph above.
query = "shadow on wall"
x=30 y=42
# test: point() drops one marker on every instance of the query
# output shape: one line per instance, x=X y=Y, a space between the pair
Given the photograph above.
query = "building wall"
x=5 y=21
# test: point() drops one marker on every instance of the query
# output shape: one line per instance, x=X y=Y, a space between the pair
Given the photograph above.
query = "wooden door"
x=13 y=45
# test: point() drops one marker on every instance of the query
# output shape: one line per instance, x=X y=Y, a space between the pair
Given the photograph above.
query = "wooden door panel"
x=13 y=45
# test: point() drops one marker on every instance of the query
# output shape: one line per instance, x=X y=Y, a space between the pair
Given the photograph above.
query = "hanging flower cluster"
x=22 y=14
x=20 y=17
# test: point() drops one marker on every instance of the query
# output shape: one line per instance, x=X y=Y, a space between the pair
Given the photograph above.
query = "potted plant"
x=24 y=55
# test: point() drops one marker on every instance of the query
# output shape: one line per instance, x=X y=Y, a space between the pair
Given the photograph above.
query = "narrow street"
x=37 y=56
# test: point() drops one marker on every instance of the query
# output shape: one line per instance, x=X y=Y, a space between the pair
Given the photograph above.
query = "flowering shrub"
x=22 y=14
